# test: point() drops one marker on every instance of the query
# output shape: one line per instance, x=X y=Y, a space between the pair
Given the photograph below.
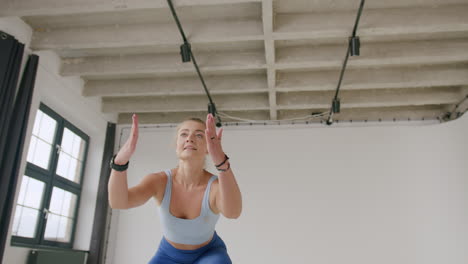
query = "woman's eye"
x=200 y=136
x=183 y=134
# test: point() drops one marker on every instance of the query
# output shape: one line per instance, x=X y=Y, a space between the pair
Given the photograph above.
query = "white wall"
x=355 y=195
x=63 y=95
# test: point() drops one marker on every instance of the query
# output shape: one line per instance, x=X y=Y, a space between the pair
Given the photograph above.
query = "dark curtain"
x=11 y=54
x=14 y=113
x=101 y=213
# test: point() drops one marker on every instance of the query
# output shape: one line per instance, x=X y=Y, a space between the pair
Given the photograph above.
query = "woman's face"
x=191 y=140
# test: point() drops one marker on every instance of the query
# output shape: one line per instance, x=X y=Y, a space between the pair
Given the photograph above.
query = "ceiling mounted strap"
x=353 y=49
x=187 y=55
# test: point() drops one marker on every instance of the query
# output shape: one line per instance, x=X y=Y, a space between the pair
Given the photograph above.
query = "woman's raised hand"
x=213 y=140
x=129 y=147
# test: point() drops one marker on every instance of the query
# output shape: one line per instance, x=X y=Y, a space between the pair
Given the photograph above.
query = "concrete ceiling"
x=261 y=59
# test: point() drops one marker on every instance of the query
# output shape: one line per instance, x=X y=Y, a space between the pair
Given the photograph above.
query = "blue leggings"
x=214 y=252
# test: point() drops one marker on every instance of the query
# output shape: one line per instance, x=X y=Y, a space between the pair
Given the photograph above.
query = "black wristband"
x=118 y=167
x=222 y=163
x=224 y=170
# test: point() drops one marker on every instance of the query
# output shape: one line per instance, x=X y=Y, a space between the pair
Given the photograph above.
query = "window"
x=47 y=206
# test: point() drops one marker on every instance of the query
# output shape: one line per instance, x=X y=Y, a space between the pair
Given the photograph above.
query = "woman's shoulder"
x=161 y=175
x=155 y=179
x=160 y=182
x=214 y=181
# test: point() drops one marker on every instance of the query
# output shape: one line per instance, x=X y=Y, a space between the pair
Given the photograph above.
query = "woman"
x=190 y=198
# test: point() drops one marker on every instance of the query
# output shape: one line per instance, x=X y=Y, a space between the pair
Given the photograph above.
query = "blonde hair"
x=196 y=119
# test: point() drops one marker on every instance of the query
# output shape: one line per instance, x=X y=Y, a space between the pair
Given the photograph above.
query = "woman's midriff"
x=188 y=247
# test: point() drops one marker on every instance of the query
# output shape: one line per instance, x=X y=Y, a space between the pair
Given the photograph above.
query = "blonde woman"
x=190 y=199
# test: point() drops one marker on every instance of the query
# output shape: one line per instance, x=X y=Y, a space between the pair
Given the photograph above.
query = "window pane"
x=32 y=149
x=31 y=192
x=52 y=227
x=65 y=229
x=25 y=221
x=71 y=156
x=69 y=167
x=62 y=203
x=56 y=200
x=47 y=129
x=24 y=185
x=69 y=205
x=63 y=164
x=58 y=228
x=78 y=148
x=67 y=141
x=42 y=153
x=42 y=139
x=34 y=192
x=60 y=220
x=17 y=219
x=74 y=170
x=37 y=122
x=27 y=209
x=72 y=144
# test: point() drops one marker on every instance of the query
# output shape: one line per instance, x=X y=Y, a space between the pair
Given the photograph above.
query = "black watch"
x=118 y=167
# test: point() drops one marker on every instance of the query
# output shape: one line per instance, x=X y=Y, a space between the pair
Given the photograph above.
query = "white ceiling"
x=263 y=59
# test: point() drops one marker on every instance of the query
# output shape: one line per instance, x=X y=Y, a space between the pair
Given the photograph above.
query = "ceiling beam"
x=390 y=54
x=268 y=17
x=194 y=103
x=225 y=84
x=47 y=7
x=308 y=6
x=370 y=98
x=177 y=117
x=374 y=78
x=147 y=64
x=153 y=16
x=143 y=35
x=376 y=25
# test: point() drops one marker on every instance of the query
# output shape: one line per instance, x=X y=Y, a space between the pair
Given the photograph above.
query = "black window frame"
x=51 y=180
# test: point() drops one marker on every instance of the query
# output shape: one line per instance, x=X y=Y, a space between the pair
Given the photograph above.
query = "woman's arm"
x=120 y=197
x=228 y=197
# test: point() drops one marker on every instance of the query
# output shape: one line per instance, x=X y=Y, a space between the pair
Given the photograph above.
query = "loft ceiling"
x=262 y=60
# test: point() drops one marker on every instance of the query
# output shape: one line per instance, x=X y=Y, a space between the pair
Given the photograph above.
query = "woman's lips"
x=190 y=148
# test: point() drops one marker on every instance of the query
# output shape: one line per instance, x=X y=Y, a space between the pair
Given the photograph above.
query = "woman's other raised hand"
x=213 y=139
x=129 y=147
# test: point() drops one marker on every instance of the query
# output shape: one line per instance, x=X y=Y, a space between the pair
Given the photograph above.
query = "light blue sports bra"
x=187 y=231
